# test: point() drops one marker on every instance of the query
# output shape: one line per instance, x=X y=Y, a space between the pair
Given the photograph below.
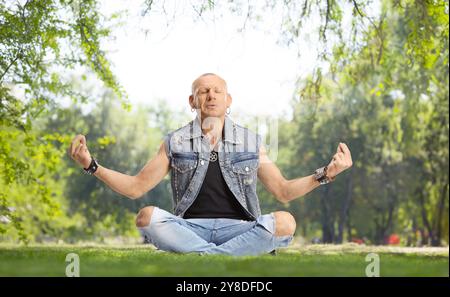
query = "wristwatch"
x=92 y=167
x=321 y=176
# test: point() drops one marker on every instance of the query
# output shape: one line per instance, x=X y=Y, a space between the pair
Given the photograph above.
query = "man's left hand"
x=340 y=162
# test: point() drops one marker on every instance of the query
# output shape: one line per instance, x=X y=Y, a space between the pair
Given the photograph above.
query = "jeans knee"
x=284 y=223
x=144 y=216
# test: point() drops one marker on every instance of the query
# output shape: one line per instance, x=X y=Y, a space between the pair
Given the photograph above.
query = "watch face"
x=319 y=174
x=324 y=181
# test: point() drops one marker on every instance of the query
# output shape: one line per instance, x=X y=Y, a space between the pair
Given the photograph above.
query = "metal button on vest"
x=202 y=162
x=246 y=168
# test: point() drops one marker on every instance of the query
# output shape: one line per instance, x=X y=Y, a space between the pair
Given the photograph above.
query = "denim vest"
x=188 y=151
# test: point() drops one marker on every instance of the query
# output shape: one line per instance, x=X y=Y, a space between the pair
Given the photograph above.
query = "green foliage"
x=388 y=100
x=381 y=86
x=41 y=40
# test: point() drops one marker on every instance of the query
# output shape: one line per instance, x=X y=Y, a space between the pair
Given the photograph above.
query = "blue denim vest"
x=188 y=151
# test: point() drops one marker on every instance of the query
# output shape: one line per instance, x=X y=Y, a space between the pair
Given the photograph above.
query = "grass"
x=140 y=260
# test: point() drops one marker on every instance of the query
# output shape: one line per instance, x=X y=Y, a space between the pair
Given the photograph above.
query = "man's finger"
x=73 y=147
x=345 y=148
x=82 y=139
x=73 y=144
x=348 y=154
x=78 y=149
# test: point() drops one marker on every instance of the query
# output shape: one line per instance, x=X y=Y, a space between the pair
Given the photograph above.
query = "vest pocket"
x=245 y=163
x=183 y=166
x=184 y=162
x=244 y=167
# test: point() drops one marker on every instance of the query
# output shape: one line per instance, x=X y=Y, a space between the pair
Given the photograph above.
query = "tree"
x=40 y=40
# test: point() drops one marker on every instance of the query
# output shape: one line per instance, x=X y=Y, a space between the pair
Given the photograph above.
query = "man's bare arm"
x=153 y=172
x=284 y=190
x=130 y=186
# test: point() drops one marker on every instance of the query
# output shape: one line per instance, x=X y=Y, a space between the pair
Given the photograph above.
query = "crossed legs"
x=171 y=233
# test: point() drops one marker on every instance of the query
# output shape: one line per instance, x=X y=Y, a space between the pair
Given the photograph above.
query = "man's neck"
x=214 y=132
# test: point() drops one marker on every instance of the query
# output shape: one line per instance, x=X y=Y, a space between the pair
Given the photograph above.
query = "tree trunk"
x=436 y=239
x=349 y=227
x=327 y=225
x=345 y=209
x=426 y=223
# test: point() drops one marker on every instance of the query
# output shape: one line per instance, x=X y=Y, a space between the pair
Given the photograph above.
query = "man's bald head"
x=210 y=96
x=195 y=82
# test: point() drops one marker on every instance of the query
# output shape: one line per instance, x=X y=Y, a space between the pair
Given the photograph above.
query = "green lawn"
x=296 y=261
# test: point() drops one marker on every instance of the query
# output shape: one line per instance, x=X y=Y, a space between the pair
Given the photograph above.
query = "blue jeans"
x=171 y=233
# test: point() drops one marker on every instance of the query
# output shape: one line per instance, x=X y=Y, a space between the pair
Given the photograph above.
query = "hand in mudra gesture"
x=341 y=161
x=79 y=152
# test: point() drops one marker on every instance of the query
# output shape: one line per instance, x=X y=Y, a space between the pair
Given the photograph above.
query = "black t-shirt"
x=215 y=200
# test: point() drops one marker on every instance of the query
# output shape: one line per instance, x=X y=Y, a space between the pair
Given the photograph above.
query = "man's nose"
x=211 y=95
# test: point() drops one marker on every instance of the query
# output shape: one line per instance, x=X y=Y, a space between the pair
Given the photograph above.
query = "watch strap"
x=93 y=166
x=321 y=176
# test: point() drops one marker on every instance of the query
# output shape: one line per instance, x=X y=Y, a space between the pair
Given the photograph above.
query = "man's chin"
x=216 y=114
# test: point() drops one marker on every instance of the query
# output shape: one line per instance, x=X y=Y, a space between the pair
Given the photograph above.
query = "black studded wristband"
x=92 y=167
x=321 y=176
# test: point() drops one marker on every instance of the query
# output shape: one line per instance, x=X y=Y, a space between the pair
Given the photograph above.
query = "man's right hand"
x=79 y=152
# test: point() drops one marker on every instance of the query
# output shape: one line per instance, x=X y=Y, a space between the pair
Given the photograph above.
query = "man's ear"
x=191 y=101
x=229 y=99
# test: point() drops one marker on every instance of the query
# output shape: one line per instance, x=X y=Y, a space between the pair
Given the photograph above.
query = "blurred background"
x=372 y=74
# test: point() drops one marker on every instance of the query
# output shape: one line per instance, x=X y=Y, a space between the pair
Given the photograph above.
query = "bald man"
x=214 y=165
